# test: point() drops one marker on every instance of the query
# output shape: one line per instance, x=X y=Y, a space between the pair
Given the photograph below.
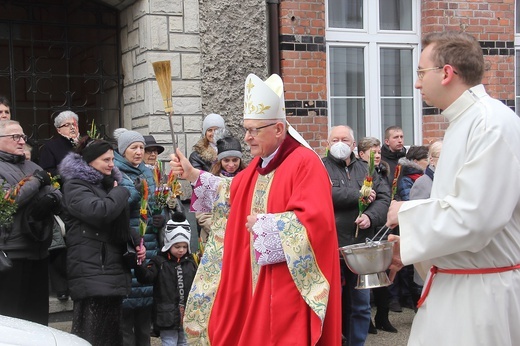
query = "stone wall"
x=212 y=46
x=158 y=30
x=233 y=44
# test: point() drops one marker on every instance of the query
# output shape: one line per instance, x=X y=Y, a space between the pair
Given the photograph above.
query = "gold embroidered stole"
x=259 y=206
x=206 y=281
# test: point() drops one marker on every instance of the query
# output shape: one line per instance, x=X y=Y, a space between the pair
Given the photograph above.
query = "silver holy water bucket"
x=370 y=261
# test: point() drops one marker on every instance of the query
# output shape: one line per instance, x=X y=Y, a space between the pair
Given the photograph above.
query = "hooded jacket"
x=346 y=183
x=410 y=172
x=95 y=213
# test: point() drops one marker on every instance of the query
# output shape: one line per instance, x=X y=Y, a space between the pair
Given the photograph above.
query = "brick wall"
x=303 y=68
x=492 y=23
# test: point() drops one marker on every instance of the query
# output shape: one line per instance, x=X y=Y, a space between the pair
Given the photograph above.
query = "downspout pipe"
x=274 y=36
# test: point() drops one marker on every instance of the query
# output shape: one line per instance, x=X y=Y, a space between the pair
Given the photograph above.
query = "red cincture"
x=434 y=270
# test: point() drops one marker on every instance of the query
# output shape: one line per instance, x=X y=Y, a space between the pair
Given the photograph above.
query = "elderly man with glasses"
x=24 y=291
x=270 y=270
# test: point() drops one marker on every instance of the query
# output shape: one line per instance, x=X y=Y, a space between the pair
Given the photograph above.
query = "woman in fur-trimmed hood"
x=412 y=167
x=97 y=219
x=205 y=150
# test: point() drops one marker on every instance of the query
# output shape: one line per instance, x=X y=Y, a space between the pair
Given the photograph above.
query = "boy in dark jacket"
x=172 y=273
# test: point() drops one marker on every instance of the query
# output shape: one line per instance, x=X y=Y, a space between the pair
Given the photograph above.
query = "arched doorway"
x=60 y=55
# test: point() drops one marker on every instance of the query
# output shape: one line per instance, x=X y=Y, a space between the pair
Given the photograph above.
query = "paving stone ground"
x=400 y=320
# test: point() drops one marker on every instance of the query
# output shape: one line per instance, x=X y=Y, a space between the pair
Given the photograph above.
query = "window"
x=372 y=53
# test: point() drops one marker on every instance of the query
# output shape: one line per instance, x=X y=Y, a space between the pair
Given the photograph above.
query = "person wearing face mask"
x=347 y=174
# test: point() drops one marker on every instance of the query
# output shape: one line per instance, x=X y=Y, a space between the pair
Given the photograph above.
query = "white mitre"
x=265 y=101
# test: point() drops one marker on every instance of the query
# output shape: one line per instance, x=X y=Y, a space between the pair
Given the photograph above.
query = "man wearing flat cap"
x=270 y=273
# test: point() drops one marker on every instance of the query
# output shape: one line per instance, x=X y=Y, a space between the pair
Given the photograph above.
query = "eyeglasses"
x=254 y=130
x=151 y=150
x=67 y=125
x=16 y=137
x=422 y=71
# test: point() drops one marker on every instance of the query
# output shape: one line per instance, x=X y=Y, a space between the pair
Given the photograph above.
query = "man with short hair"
x=469 y=228
x=24 y=287
x=270 y=272
x=393 y=149
x=5 y=108
x=347 y=174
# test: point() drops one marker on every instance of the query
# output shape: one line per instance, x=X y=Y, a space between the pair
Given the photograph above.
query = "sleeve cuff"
x=266 y=240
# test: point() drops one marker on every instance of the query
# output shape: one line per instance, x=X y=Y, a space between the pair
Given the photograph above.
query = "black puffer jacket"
x=345 y=196
x=93 y=216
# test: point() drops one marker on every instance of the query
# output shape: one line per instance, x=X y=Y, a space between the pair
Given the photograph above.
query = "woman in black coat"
x=97 y=219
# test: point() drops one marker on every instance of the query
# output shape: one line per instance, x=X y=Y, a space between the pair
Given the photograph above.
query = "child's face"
x=178 y=250
x=230 y=164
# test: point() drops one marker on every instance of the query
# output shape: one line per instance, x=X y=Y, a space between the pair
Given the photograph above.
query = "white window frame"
x=373 y=39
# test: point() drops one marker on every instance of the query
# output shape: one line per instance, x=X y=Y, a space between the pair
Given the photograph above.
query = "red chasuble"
x=282 y=308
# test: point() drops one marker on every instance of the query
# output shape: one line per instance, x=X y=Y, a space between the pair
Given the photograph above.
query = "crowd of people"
x=271 y=272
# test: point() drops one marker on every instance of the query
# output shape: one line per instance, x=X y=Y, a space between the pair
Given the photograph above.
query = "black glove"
x=43 y=177
x=45 y=206
x=158 y=221
x=108 y=182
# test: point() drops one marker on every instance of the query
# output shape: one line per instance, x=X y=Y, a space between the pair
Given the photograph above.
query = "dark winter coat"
x=141 y=295
x=410 y=172
x=392 y=158
x=162 y=272
x=203 y=156
x=346 y=183
x=25 y=238
x=96 y=217
x=53 y=152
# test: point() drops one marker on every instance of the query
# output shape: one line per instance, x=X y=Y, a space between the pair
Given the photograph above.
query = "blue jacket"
x=141 y=295
x=410 y=171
